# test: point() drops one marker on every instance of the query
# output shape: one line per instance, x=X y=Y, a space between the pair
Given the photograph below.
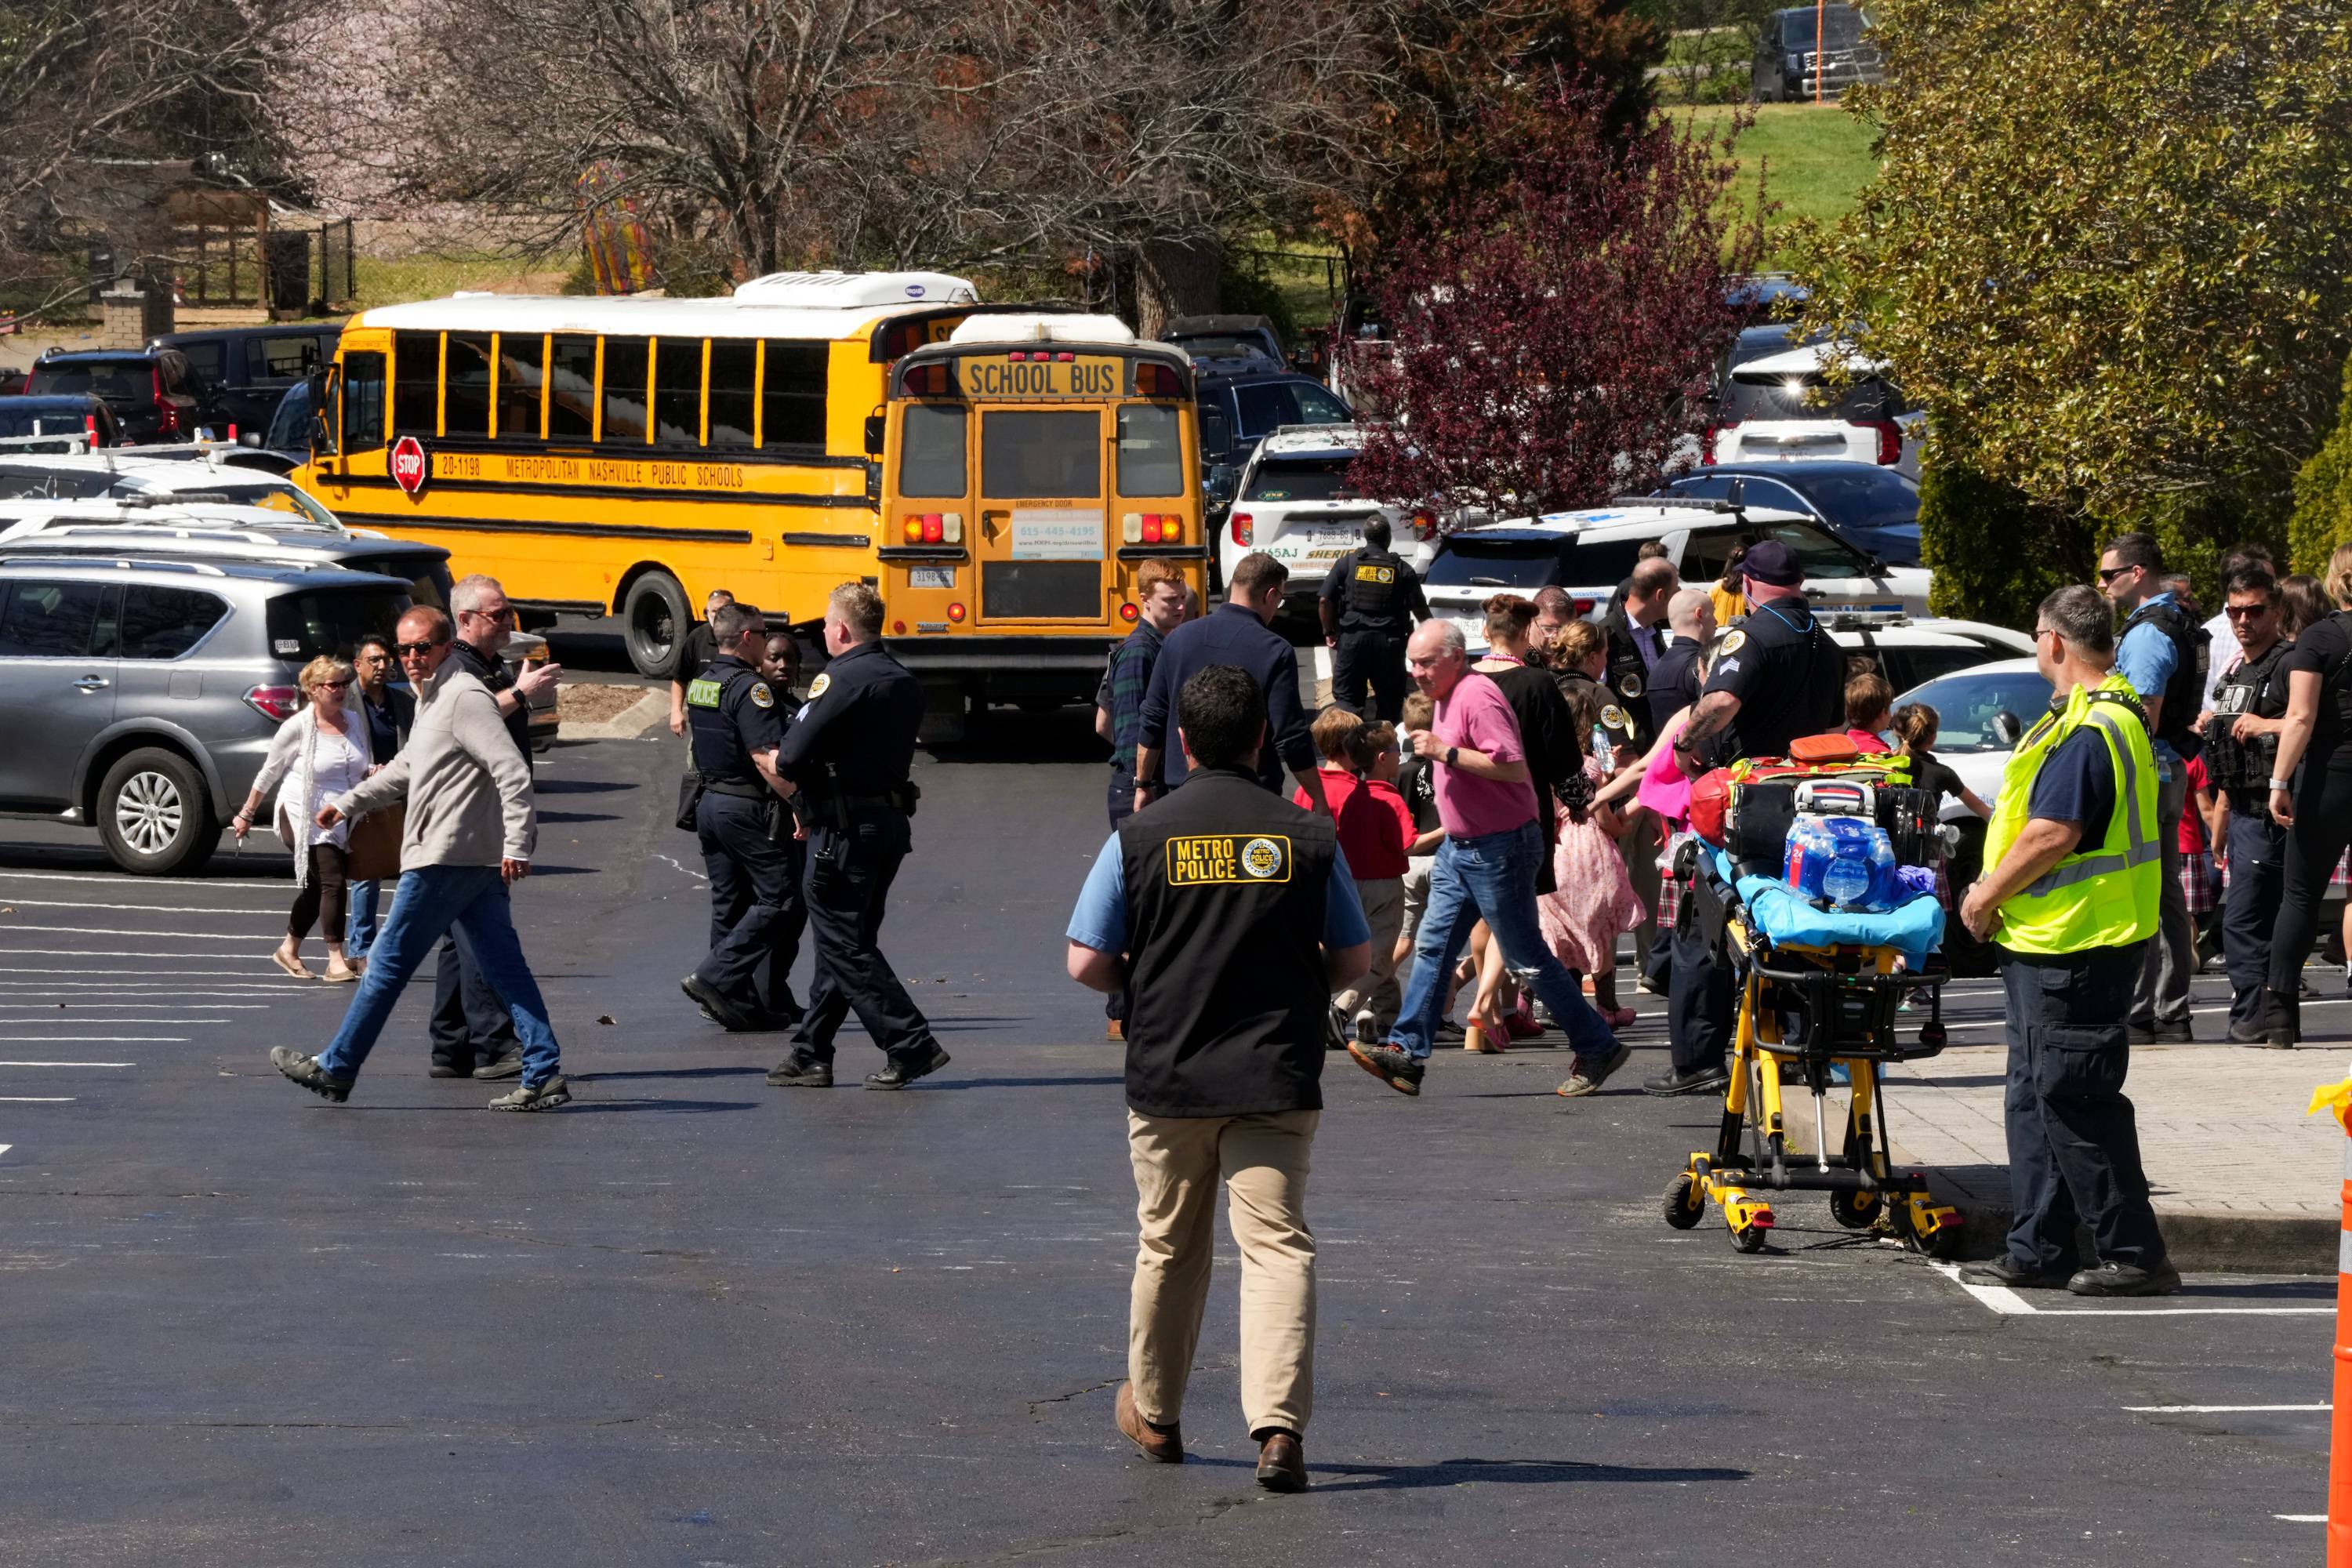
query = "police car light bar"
x=1684 y=503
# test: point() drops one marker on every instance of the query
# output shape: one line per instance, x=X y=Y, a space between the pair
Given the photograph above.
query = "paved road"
x=693 y=1319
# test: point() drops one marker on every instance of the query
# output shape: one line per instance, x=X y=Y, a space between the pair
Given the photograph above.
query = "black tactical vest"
x=2184 y=694
x=1226 y=888
x=1374 y=589
x=2243 y=768
x=719 y=754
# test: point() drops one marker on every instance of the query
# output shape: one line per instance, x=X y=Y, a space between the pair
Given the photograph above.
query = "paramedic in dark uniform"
x=1229 y=916
x=471 y=1033
x=735 y=726
x=1776 y=676
x=2240 y=749
x=1371 y=601
x=848 y=753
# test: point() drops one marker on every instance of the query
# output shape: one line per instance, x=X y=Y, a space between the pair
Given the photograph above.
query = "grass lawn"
x=1815 y=162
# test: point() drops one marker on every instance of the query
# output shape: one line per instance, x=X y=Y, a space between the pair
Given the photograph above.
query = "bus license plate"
x=930 y=576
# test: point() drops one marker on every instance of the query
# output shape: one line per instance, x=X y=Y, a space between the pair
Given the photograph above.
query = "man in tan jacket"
x=468 y=834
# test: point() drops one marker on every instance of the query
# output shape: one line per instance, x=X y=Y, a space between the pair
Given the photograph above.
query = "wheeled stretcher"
x=1819 y=989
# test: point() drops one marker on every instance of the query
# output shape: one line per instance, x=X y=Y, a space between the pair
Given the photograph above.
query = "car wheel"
x=153 y=815
x=656 y=618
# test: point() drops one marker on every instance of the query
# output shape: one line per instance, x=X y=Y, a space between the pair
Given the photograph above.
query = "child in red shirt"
x=1358 y=768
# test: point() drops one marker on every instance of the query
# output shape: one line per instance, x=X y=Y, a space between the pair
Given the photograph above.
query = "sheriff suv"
x=1293 y=502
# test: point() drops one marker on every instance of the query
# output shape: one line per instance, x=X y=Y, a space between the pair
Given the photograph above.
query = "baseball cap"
x=1770 y=561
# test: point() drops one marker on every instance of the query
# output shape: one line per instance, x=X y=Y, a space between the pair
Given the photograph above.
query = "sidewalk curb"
x=651 y=708
x=2196 y=1242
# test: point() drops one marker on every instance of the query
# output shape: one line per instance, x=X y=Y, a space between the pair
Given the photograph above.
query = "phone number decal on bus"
x=1048 y=378
x=614 y=471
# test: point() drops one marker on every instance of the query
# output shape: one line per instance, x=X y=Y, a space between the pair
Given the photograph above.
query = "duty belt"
x=741 y=788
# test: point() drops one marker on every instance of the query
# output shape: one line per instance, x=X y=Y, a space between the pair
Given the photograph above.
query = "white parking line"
x=111 y=931
x=51 y=1009
x=141 y=883
x=2008 y=1304
x=2289 y=1517
x=112 y=951
x=2218 y=1409
x=147 y=909
x=135 y=973
x=36 y=1099
x=68 y=1064
x=94 y=1039
x=150 y=994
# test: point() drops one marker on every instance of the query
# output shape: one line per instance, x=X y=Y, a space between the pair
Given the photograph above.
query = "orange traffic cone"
x=2338 y=1099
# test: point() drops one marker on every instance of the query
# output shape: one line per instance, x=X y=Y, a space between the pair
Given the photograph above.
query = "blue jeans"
x=426 y=904
x=359 y=925
x=1492 y=877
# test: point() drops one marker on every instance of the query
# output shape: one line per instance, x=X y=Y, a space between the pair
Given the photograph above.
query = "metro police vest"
x=1227 y=1004
x=2105 y=893
x=1373 y=586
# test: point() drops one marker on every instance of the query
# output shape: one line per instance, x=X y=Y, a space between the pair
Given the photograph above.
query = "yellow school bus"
x=626 y=456
x=1029 y=464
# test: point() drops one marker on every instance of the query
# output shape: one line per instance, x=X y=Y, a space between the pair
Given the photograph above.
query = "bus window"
x=466 y=407
x=519 y=384
x=1151 y=451
x=362 y=402
x=1040 y=454
x=678 y=391
x=930 y=449
x=572 y=390
x=734 y=387
x=416 y=384
x=793 y=397
x=626 y=363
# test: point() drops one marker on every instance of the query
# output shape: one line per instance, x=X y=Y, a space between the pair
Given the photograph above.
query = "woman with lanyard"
x=2314 y=804
x=319 y=753
x=1555 y=767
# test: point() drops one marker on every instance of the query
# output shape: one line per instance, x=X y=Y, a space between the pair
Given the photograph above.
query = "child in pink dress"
x=1595 y=903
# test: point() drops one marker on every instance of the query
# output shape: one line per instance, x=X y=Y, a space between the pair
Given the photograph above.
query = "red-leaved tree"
x=1552 y=337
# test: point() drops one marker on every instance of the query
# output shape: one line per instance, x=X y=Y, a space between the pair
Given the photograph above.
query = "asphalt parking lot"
x=693 y=1320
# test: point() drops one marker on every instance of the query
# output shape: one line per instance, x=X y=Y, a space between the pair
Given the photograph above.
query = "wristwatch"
x=1451 y=753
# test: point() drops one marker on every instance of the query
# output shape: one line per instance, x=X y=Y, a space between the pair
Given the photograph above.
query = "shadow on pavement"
x=1519 y=1473
x=1021 y=1082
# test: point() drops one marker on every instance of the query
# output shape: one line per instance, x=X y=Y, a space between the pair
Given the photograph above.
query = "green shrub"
x=2322 y=519
x=1996 y=555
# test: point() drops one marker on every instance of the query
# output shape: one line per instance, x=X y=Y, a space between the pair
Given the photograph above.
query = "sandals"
x=1478 y=1036
x=293 y=966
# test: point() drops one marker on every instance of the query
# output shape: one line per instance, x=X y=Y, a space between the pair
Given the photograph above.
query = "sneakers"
x=1591 y=1072
x=525 y=1096
x=1390 y=1064
x=800 y=1072
x=505 y=1067
x=306 y=1071
x=2011 y=1274
x=2113 y=1279
x=902 y=1070
x=1673 y=1082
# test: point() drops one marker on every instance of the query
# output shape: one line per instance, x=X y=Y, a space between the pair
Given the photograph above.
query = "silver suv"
x=142 y=692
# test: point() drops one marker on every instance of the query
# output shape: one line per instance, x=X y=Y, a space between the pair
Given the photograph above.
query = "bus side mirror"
x=322 y=384
x=874 y=424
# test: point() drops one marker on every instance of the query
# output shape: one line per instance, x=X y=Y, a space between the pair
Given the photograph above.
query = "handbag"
x=375 y=846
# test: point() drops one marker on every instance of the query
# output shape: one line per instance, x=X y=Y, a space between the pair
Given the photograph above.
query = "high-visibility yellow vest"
x=2104 y=894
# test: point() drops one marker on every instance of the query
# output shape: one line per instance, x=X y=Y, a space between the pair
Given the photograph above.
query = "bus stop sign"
x=409 y=464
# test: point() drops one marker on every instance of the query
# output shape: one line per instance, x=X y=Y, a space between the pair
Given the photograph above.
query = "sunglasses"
x=505 y=615
x=333 y=686
x=2246 y=612
x=2109 y=574
x=417 y=649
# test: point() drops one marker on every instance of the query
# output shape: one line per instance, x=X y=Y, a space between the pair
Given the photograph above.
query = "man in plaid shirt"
x=1159 y=597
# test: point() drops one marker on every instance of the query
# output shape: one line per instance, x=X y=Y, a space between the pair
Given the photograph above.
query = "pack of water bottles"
x=1842 y=862
x=1843 y=832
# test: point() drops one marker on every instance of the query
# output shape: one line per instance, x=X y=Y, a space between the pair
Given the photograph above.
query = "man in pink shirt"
x=1486 y=869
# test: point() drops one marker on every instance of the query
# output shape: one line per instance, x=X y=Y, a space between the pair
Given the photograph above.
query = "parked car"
x=1782 y=407
x=242 y=372
x=79 y=420
x=219 y=535
x=1874 y=509
x=1240 y=407
x=12 y=382
x=1217 y=337
x=153 y=391
x=141 y=692
x=1590 y=553
x=1982 y=712
x=1293 y=502
x=1912 y=650
x=1790 y=57
x=213 y=475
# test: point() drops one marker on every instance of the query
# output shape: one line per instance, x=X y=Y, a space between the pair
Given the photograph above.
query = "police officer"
x=2070 y=894
x=2240 y=755
x=735 y=726
x=1775 y=676
x=2311 y=790
x=848 y=755
x=1229 y=915
x=1638 y=639
x=1371 y=601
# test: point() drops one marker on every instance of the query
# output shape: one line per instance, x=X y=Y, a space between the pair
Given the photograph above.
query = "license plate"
x=1473 y=630
x=930 y=576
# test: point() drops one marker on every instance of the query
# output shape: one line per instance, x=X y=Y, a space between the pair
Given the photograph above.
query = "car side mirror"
x=1874 y=567
x=250 y=438
x=2008 y=728
x=874 y=428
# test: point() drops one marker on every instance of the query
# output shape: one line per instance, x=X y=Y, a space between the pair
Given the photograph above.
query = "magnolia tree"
x=1552 y=339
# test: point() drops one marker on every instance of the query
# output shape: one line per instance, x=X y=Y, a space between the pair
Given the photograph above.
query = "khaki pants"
x=1263 y=1161
x=1383 y=901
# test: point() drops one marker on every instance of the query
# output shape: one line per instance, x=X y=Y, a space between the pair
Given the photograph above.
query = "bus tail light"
x=930 y=381
x=1157 y=381
x=1127 y=612
x=1242 y=530
x=1150 y=528
x=897 y=629
x=277 y=703
x=951 y=527
x=955 y=613
x=1130 y=528
x=1172 y=529
x=914 y=529
x=934 y=529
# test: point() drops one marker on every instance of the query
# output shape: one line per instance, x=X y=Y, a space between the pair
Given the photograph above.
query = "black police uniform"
x=1379 y=599
x=1617 y=725
x=2256 y=850
x=1789 y=674
x=746 y=846
x=850 y=751
x=470 y=1029
x=1629 y=674
x=2323 y=814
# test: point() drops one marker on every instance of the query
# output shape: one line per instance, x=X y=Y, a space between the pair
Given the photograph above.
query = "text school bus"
x=626 y=456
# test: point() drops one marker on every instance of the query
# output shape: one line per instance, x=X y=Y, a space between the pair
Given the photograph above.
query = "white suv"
x=1779 y=408
x=1293 y=501
x=1590 y=553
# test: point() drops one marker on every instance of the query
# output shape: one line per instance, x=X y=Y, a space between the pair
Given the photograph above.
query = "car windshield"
x=1908 y=666
x=123 y=382
x=1966 y=705
x=427 y=572
x=1269 y=404
x=1302 y=479
x=279 y=498
x=302 y=626
x=1525 y=564
x=1819 y=555
x=23 y=421
x=290 y=426
x=1803 y=395
x=1842 y=25
x=1857 y=498
x=31 y=481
